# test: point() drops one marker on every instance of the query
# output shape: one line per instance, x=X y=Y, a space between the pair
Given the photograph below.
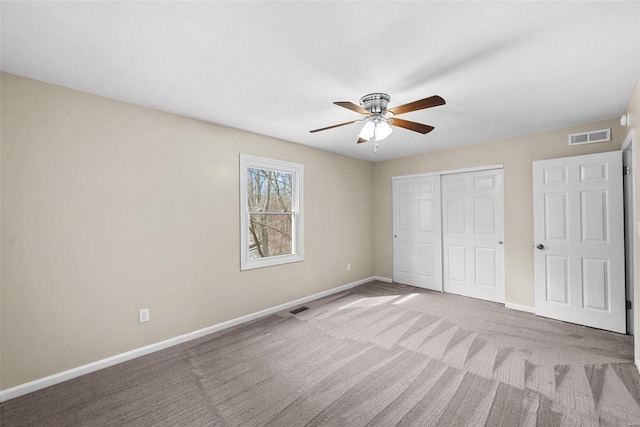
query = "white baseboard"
x=520 y=307
x=60 y=377
x=638 y=365
x=383 y=279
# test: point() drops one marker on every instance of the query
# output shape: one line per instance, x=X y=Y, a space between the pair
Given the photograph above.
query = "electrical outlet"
x=348 y=266
x=143 y=315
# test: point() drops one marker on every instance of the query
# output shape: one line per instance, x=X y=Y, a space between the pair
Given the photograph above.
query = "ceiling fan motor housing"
x=375 y=103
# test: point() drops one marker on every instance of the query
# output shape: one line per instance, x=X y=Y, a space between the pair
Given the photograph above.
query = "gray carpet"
x=377 y=355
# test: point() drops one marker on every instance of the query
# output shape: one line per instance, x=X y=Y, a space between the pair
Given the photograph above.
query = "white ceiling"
x=275 y=68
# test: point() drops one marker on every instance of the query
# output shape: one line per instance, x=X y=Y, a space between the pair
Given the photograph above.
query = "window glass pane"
x=269 y=235
x=268 y=191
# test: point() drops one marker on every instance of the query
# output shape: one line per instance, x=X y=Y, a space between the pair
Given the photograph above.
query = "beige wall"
x=109 y=207
x=516 y=154
x=633 y=108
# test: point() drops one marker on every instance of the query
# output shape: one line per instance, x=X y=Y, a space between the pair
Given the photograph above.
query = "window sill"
x=269 y=262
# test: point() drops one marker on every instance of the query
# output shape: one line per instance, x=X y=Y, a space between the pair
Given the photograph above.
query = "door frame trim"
x=629 y=140
x=631 y=143
x=451 y=171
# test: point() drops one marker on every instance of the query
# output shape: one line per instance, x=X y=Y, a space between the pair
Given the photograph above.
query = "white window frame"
x=297 y=244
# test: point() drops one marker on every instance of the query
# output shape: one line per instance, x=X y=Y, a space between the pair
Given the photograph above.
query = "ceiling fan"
x=379 y=118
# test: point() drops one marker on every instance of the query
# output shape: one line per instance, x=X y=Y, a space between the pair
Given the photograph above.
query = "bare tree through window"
x=270 y=215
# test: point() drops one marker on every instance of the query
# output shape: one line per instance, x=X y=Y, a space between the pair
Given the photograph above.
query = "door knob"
x=500 y=242
x=540 y=246
x=395 y=235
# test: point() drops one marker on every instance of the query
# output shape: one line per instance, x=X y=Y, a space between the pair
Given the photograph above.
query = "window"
x=271 y=229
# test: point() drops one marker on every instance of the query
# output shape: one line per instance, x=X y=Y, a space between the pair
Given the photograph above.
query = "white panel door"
x=472 y=234
x=417 y=250
x=578 y=234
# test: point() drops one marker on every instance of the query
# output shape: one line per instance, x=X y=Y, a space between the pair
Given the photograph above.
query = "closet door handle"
x=540 y=246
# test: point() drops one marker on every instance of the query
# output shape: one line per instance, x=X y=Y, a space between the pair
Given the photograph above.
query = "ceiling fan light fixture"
x=368 y=130
x=383 y=130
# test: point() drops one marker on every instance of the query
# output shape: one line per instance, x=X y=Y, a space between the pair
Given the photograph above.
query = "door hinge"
x=626 y=170
x=628 y=305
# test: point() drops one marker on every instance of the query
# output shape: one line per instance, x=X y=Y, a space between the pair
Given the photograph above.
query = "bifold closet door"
x=473 y=234
x=417 y=245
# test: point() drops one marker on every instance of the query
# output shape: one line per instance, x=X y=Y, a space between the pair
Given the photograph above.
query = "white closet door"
x=578 y=231
x=417 y=250
x=472 y=234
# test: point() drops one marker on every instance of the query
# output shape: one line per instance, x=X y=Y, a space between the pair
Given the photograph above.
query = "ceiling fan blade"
x=334 y=126
x=353 y=107
x=416 y=127
x=432 y=101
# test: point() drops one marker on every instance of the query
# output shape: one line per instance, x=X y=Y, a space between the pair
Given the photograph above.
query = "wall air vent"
x=602 y=135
